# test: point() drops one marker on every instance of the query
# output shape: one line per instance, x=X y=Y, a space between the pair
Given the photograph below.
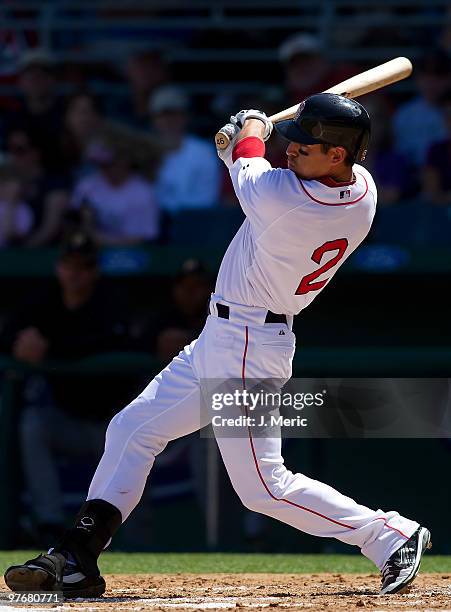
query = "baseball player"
x=301 y=225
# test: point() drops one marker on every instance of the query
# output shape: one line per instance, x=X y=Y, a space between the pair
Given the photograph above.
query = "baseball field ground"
x=216 y=581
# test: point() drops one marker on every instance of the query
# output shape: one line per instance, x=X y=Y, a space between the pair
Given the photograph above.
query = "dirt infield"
x=143 y=592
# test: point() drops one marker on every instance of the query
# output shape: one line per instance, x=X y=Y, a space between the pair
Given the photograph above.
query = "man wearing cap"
x=307 y=67
x=189 y=175
x=185 y=318
x=420 y=122
x=301 y=224
x=42 y=110
x=64 y=415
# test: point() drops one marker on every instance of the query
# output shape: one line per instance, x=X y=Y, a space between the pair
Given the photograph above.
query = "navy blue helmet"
x=329 y=118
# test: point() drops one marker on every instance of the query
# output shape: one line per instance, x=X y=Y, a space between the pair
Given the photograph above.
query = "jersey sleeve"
x=261 y=189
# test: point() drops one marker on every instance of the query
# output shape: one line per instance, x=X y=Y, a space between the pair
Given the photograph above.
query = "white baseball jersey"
x=296 y=235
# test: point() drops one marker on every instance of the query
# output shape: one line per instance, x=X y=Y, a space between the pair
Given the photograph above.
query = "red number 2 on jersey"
x=307 y=284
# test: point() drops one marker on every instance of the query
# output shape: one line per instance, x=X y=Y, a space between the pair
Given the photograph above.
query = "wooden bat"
x=370 y=80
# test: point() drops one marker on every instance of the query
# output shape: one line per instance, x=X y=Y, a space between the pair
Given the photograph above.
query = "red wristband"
x=248 y=147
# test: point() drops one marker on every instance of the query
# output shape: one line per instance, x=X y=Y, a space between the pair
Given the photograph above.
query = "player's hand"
x=232 y=132
x=252 y=113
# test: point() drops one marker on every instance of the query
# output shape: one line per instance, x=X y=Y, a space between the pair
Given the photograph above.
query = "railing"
x=167 y=260
x=327 y=18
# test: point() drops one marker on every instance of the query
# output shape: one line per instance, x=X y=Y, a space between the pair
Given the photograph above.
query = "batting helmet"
x=329 y=118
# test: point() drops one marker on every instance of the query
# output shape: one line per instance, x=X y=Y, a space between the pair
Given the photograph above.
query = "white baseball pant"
x=242 y=346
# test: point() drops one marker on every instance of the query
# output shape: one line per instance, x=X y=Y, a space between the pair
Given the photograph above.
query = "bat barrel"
x=380 y=76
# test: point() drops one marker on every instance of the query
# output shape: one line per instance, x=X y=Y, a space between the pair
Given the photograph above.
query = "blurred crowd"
x=123 y=169
x=63 y=414
x=68 y=165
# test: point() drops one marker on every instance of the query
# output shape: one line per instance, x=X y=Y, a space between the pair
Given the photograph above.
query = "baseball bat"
x=370 y=80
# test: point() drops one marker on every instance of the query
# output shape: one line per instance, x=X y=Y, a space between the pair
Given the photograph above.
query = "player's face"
x=310 y=162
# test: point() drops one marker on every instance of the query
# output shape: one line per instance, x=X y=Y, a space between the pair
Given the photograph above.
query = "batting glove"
x=241 y=117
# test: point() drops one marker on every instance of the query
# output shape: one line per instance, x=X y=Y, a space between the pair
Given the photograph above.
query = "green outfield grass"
x=211 y=563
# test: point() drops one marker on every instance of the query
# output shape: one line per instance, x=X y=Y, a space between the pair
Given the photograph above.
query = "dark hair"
x=348 y=160
x=80 y=245
x=192 y=267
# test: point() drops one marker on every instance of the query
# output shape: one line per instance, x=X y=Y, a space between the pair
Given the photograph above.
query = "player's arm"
x=258 y=186
x=248 y=131
x=255 y=129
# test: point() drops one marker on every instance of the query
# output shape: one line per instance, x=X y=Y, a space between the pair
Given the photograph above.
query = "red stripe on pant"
x=257 y=467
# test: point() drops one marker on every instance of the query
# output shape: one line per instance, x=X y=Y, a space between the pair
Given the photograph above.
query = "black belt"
x=271 y=317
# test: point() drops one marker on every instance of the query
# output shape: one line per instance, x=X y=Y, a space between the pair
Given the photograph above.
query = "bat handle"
x=222 y=140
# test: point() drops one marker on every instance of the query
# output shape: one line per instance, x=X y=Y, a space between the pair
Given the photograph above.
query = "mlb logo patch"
x=299 y=110
x=345 y=194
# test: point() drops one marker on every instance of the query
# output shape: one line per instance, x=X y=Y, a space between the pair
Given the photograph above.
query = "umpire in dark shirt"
x=66 y=415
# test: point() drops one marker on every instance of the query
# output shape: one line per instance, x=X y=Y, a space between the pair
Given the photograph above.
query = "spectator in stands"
x=390 y=168
x=419 y=123
x=377 y=28
x=436 y=173
x=46 y=192
x=65 y=415
x=42 y=111
x=189 y=175
x=307 y=69
x=82 y=123
x=118 y=205
x=392 y=173
x=16 y=216
x=183 y=321
x=145 y=72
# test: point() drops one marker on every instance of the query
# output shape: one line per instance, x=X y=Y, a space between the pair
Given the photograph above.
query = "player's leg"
x=167 y=409
x=259 y=476
x=256 y=466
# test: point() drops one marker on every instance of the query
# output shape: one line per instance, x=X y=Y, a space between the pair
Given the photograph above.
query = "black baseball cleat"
x=54 y=572
x=402 y=567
